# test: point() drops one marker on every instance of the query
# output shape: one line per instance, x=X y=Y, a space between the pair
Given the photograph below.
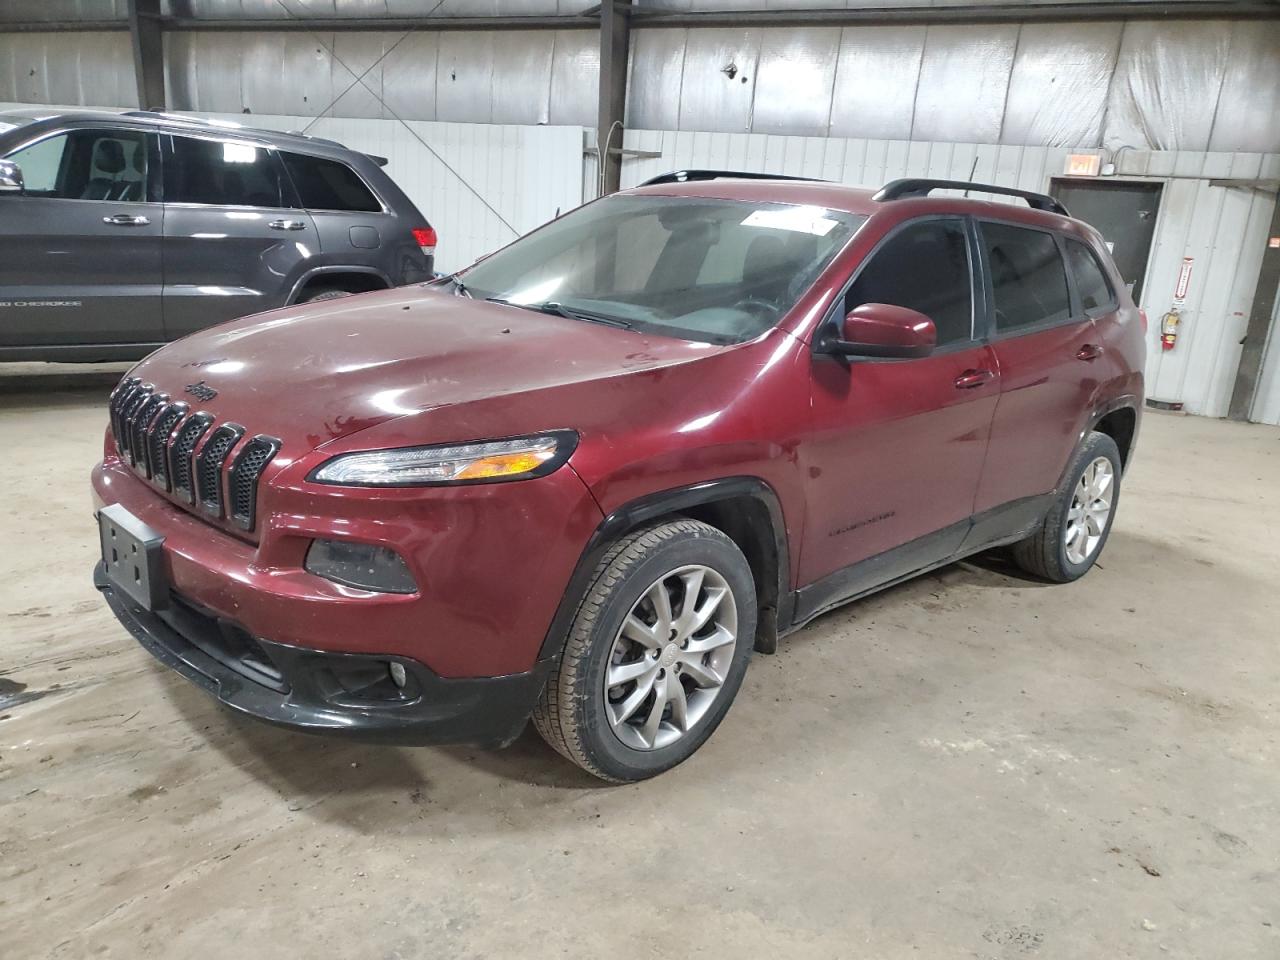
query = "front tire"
x=1072 y=534
x=655 y=655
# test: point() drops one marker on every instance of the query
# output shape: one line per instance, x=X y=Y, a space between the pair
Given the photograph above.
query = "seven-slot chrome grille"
x=162 y=440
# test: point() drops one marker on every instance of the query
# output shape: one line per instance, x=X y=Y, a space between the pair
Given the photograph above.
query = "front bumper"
x=323 y=692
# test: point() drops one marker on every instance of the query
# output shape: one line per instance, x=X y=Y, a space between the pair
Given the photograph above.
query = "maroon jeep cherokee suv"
x=583 y=479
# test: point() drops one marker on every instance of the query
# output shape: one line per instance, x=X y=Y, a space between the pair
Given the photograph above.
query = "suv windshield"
x=698 y=268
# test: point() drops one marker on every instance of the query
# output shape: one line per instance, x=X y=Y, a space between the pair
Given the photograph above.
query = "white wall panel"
x=1223 y=229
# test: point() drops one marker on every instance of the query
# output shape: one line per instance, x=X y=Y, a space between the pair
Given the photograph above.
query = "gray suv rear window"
x=328 y=185
x=225 y=173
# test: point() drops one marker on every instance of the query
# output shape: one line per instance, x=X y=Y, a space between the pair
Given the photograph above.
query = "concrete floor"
x=970 y=765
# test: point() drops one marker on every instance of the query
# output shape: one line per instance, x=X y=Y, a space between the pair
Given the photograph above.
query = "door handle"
x=1089 y=352
x=287 y=225
x=973 y=378
x=125 y=220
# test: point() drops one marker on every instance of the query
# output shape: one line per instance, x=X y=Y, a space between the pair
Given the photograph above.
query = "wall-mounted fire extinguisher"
x=1169 y=329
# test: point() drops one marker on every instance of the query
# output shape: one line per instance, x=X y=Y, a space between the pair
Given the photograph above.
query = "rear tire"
x=647 y=675
x=323 y=293
x=1072 y=534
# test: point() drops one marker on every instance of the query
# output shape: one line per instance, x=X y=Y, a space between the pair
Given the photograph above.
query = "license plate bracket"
x=132 y=556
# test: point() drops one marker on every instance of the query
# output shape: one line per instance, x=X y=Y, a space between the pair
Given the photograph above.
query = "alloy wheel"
x=1089 y=511
x=670 y=657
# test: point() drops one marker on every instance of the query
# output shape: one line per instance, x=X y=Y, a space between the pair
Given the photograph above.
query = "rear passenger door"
x=236 y=241
x=1048 y=349
x=80 y=246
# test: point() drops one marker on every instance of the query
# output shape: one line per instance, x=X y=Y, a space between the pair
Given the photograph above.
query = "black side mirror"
x=883 y=330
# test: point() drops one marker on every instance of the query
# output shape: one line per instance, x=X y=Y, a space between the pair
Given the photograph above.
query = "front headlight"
x=493 y=461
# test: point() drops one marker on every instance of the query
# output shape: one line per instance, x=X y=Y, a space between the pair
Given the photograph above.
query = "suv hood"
x=316 y=373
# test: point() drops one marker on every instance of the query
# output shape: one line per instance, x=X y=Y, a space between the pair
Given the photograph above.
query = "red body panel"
x=893 y=449
x=863 y=456
x=1046 y=397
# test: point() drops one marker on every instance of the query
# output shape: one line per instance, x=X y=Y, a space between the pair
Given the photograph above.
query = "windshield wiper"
x=560 y=310
x=459 y=288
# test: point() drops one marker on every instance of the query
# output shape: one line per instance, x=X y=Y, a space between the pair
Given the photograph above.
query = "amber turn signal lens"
x=505 y=465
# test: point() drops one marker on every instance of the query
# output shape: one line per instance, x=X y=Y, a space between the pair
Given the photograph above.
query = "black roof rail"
x=918 y=187
x=688 y=176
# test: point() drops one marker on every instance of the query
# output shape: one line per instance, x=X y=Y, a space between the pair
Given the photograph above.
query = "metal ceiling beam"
x=395 y=24
x=148 y=52
x=649 y=17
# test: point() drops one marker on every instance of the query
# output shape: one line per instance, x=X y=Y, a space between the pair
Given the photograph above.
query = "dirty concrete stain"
x=13 y=693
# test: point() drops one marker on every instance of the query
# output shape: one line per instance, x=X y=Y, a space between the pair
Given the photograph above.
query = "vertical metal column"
x=148 y=52
x=1255 y=337
x=615 y=39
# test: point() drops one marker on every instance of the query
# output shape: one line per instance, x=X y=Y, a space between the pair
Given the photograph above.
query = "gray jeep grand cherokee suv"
x=119 y=232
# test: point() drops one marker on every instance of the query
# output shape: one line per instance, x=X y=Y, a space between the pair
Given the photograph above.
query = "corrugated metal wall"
x=478 y=77
x=85 y=69
x=366 y=9
x=1164 y=85
x=1205 y=85
x=1223 y=229
x=480 y=185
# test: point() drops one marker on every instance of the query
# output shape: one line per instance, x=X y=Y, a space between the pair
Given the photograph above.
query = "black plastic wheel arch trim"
x=651 y=506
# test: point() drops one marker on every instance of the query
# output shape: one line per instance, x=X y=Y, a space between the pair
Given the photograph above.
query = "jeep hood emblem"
x=200 y=391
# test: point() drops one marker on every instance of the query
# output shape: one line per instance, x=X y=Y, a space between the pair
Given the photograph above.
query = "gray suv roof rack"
x=917 y=187
x=688 y=176
x=230 y=128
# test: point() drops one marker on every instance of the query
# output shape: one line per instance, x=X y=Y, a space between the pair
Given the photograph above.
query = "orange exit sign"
x=1083 y=164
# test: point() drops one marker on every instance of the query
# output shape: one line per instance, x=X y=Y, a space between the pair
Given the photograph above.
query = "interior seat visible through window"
x=108 y=158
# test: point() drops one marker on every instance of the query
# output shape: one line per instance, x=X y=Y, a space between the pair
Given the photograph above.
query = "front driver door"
x=80 y=247
x=897 y=448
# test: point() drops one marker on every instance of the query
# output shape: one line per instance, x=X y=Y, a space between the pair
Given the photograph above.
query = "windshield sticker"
x=798 y=219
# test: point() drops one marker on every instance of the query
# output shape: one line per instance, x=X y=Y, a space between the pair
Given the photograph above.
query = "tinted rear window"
x=1028 y=278
x=1091 y=283
x=225 y=173
x=329 y=185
